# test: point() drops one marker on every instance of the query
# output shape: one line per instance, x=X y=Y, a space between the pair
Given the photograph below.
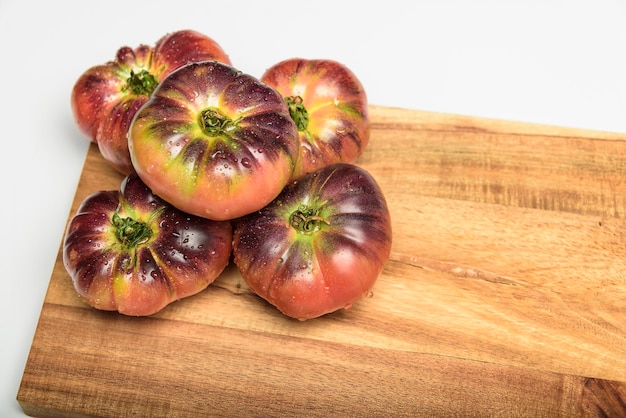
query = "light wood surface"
x=505 y=295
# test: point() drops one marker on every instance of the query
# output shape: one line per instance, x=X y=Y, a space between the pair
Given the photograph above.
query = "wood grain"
x=505 y=295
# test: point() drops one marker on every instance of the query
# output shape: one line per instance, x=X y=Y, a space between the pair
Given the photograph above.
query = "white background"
x=551 y=62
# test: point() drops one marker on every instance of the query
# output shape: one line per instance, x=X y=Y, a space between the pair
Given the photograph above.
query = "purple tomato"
x=106 y=97
x=214 y=142
x=329 y=106
x=320 y=245
x=132 y=252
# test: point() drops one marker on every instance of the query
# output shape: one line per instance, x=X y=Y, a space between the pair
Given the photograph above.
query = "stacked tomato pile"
x=219 y=165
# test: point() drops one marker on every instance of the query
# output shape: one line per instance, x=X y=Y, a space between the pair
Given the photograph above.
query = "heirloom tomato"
x=319 y=246
x=106 y=97
x=329 y=106
x=214 y=141
x=130 y=251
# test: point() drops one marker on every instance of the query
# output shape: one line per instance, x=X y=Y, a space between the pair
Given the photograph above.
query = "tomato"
x=106 y=97
x=329 y=106
x=319 y=246
x=130 y=251
x=213 y=141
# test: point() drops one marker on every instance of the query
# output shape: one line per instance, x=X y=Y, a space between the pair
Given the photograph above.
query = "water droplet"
x=246 y=162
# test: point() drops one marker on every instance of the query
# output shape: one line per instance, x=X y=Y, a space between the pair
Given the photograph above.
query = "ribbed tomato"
x=106 y=97
x=213 y=141
x=329 y=106
x=318 y=247
x=132 y=252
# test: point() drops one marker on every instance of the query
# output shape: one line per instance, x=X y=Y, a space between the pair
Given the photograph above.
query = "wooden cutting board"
x=505 y=295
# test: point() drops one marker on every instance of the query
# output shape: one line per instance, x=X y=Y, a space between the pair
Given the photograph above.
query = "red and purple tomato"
x=214 y=142
x=130 y=251
x=320 y=246
x=106 y=97
x=329 y=106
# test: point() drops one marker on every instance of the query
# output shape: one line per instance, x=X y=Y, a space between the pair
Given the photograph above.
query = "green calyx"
x=298 y=112
x=130 y=232
x=214 y=123
x=142 y=83
x=307 y=220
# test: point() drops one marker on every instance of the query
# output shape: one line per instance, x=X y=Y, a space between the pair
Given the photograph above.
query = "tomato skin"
x=104 y=105
x=181 y=257
x=214 y=142
x=330 y=268
x=338 y=128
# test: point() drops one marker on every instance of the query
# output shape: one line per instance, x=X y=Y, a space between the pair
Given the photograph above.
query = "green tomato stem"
x=142 y=83
x=307 y=221
x=130 y=232
x=214 y=123
x=298 y=112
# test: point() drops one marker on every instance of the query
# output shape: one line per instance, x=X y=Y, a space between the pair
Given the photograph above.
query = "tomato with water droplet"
x=130 y=251
x=234 y=146
x=320 y=246
x=106 y=97
x=329 y=106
